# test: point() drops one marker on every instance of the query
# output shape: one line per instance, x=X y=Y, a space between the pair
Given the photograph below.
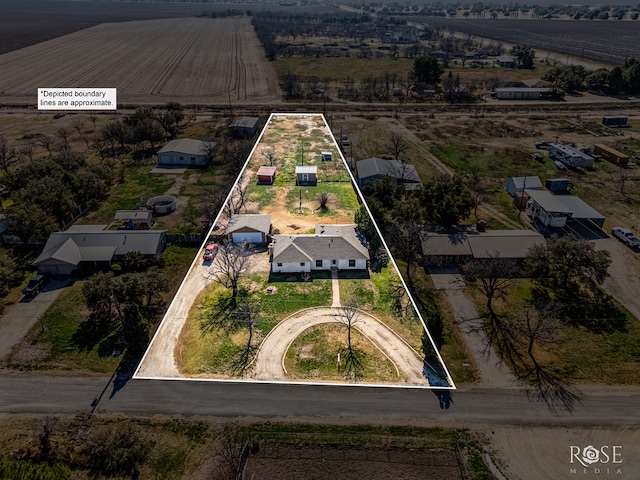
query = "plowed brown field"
x=187 y=60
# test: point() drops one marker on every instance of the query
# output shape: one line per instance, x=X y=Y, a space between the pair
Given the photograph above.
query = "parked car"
x=35 y=285
x=626 y=236
x=542 y=145
x=344 y=141
x=560 y=165
x=210 y=251
x=537 y=157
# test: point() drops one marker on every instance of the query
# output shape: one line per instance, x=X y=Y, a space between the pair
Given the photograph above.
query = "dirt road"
x=269 y=362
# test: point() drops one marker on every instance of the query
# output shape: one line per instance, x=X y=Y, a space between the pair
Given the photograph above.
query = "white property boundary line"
x=206 y=240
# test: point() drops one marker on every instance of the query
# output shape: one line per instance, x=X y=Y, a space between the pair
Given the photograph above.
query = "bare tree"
x=63 y=134
x=79 y=127
x=398 y=145
x=8 y=155
x=234 y=445
x=236 y=201
x=269 y=155
x=212 y=201
x=28 y=149
x=349 y=316
x=246 y=315
x=45 y=142
x=231 y=262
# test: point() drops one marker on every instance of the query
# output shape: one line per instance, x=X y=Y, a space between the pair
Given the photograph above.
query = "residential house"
x=522 y=93
x=505 y=61
x=462 y=247
x=244 y=127
x=338 y=247
x=398 y=172
x=252 y=228
x=515 y=185
x=185 y=152
x=93 y=246
x=557 y=210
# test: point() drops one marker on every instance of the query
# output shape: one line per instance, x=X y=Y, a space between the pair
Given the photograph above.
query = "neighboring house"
x=266 y=175
x=616 y=121
x=515 y=185
x=462 y=247
x=570 y=156
x=91 y=245
x=244 y=127
x=185 y=152
x=333 y=246
x=505 y=61
x=522 y=93
x=611 y=155
x=252 y=228
x=306 y=175
x=556 y=210
x=135 y=219
x=372 y=169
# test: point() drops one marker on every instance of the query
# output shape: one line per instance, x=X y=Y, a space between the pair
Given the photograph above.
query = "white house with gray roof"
x=332 y=246
x=91 y=245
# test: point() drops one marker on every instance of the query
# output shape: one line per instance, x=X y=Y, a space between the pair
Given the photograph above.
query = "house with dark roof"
x=462 y=247
x=505 y=61
x=252 y=228
x=244 y=127
x=557 y=210
x=338 y=247
x=185 y=152
x=398 y=172
x=91 y=245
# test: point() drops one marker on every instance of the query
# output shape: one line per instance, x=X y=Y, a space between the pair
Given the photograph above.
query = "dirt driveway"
x=269 y=362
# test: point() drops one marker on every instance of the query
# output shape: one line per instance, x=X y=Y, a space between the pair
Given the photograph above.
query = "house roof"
x=267 y=171
x=505 y=59
x=372 y=167
x=569 y=151
x=133 y=215
x=503 y=243
x=244 y=122
x=338 y=242
x=492 y=243
x=89 y=244
x=188 y=146
x=569 y=204
x=306 y=169
x=523 y=89
x=257 y=222
x=529 y=182
x=445 y=244
x=535 y=83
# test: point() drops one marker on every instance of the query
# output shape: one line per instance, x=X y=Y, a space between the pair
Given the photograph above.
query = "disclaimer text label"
x=77 y=99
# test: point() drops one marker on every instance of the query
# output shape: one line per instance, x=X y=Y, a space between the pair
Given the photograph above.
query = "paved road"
x=29 y=394
x=269 y=360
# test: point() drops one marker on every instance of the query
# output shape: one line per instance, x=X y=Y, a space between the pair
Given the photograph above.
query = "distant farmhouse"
x=91 y=245
x=570 y=156
x=462 y=247
x=185 y=152
x=398 y=172
x=523 y=93
x=505 y=61
x=332 y=247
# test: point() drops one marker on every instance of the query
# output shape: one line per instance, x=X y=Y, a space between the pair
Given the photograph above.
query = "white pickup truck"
x=626 y=236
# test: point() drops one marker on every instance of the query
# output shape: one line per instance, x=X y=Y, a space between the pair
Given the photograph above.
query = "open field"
x=605 y=42
x=187 y=60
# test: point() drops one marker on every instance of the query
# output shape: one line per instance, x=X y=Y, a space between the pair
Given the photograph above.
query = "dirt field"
x=187 y=60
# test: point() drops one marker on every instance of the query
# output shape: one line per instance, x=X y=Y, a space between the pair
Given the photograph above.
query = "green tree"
x=117 y=451
x=523 y=55
x=8 y=275
x=616 y=80
x=597 y=80
x=427 y=70
x=446 y=200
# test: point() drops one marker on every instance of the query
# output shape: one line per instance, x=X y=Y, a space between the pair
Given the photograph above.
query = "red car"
x=210 y=251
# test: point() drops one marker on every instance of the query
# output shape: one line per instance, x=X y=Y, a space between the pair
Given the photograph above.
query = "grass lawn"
x=126 y=196
x=214 y=351
x=314 y=354
x=577 y=354
x=58 y=347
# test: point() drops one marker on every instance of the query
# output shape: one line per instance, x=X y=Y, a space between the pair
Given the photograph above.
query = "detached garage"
x=249 y=228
